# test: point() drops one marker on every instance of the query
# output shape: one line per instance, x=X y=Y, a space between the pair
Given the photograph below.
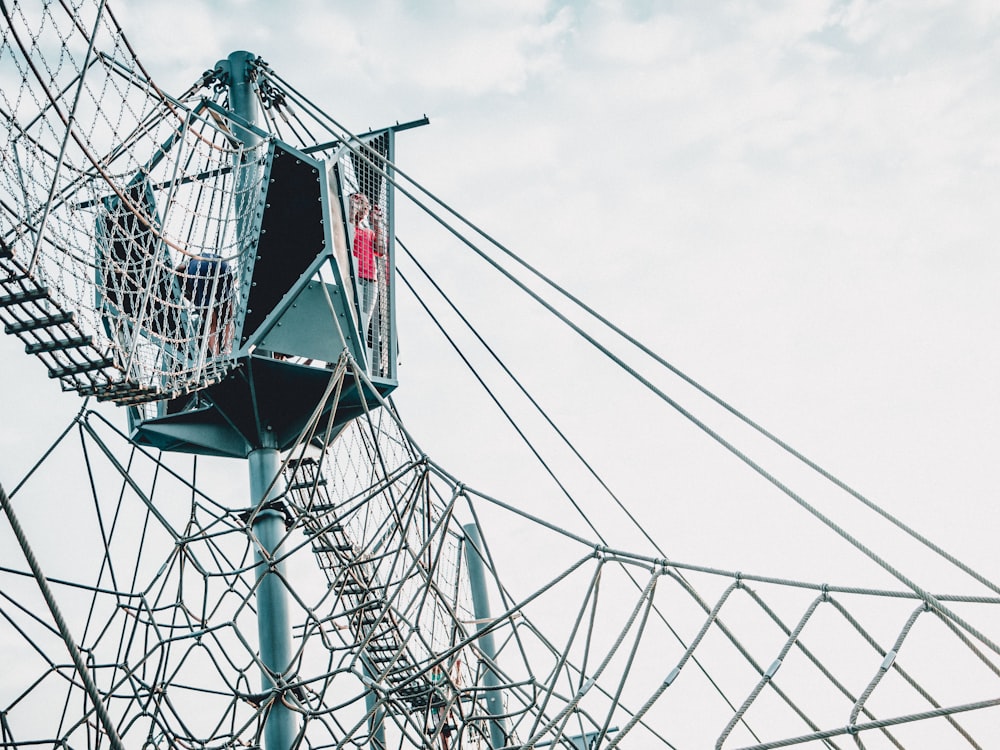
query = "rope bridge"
x=124 y=213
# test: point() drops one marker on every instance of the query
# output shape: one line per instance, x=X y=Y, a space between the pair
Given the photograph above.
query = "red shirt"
x=364 y=251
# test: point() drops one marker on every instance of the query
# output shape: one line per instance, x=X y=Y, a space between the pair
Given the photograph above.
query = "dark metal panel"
x=292 y=234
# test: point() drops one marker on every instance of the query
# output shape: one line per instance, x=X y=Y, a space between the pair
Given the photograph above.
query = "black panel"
x=291 y=238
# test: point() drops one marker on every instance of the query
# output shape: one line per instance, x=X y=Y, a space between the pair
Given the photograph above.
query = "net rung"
x=403 y=672
x=307 y=484
x=417 y=697
x=76 y=369
x=114 y=390
x=29 y=295
x=329 y=548
x=358 y=590
x=321 y=530
x=123 y=393
x=120 y=387
x=75 y=342
x=35 y=323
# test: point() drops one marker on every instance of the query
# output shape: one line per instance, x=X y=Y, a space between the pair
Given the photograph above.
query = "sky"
x=792 y=202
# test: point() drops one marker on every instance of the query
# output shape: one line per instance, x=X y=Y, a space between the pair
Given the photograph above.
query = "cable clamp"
x=887 y=662
x=772 y=669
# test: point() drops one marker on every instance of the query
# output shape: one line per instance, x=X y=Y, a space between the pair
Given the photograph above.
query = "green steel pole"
x=266 y=483
x=376 y=724
x=237 y=72
x=273 y=628
x=242 y=100
x=481 y=604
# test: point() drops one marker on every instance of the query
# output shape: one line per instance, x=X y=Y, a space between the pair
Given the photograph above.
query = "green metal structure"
x=295 y=310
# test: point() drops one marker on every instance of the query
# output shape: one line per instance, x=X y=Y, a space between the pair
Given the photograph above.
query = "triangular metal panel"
x=309 y=326
x=293 y=233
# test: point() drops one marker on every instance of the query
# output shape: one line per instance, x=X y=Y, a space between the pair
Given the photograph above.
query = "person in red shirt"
x=369 y=247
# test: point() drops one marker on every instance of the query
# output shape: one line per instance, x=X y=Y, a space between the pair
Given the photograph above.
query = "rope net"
x=589 y=644
x=126 y=227
x=125 y=215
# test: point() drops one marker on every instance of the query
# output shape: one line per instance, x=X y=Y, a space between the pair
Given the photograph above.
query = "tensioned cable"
x=572 y=501
x=397 y=172
x=562 y=436
x=929 y=598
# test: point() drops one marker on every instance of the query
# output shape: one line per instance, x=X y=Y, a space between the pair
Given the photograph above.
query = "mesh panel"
x=366 y=193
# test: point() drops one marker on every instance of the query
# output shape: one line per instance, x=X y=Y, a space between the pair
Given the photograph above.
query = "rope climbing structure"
x=361 y=594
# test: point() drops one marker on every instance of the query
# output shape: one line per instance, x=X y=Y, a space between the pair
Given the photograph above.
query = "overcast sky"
x=793 y=202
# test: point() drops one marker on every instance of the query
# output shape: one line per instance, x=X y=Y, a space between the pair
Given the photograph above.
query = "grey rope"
x=855 y=728
x=67 y=636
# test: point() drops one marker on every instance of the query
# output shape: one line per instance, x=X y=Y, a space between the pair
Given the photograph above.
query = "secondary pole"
x=481 y=605
x=376 y=722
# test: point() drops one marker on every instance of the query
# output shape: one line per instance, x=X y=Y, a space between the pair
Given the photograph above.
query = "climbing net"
x=584 y=643
x=125 y=214
x=123 y=223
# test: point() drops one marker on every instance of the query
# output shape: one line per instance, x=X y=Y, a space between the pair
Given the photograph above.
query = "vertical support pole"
x=241 y=96
x=481 y=604
x=390 y=248
x=243 y=102
x=238 y=73
x=376 y=724
x=273 y=627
